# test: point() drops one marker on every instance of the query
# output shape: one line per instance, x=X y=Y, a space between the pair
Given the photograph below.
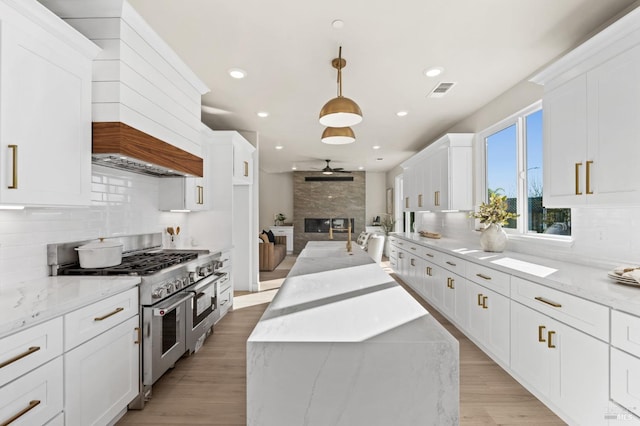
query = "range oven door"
x=164 y=340
x=202 y=311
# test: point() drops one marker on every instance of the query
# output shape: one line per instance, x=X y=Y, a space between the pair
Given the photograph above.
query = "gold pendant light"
x=340 y=111
x=338 y=135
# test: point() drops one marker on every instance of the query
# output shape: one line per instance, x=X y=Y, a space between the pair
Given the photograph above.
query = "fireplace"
x=321 y=225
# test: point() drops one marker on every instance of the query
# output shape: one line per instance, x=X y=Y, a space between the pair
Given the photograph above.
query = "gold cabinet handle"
x=400 y=255
x=429 y=270
x=412 y=248
x=419 y=200
x=479 y=299
x=28 y=352
x=429 y=255
x=413 y=262
x=548 y=302
x=14 y=183
x=450 y=282
x=540 y=331
x=578 y=178
x=451 y=263
x=484 y=277
x=406 y=202
x=588 y=182
x=436 y=198
x=115 y=311
x=484 y=302
x=137 y=341
x=31 y=406
x=246 y=168
x=549 y=336
x=200 y=194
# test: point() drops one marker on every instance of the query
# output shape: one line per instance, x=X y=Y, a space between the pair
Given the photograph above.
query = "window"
x=513 y=166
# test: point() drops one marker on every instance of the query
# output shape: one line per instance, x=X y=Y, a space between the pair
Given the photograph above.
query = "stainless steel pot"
x=100 y=254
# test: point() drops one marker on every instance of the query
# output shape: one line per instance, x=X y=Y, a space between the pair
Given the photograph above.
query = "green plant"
x=281 y=217
x=387 y=223
x=495 y=211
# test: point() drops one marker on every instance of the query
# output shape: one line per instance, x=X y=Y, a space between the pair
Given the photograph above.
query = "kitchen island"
x=343 y=344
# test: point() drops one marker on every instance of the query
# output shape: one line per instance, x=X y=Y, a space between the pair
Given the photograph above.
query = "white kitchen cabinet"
x=45 y=107
x=439 y=178
x=489 y=314
x=625 y=366
x=286 y=231
x=188 y=193
x=102 y=375
x=225 y=287
x=565 y=367
x=454 y=304
x=242 y=161
x=34 y=398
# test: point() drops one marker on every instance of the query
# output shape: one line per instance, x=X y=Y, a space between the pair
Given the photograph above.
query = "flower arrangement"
x=495 y=211
x=387 y=223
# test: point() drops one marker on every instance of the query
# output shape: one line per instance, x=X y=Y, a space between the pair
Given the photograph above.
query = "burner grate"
x=135 y=264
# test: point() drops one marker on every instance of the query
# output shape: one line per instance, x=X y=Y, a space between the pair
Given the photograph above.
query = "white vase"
x=493 y=238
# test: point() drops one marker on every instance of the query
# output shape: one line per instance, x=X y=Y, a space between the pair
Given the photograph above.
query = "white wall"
x=376 y=190
x=123 y=203
x=276 y=196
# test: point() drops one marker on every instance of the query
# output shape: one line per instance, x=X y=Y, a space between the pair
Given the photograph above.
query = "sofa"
x=271 y=254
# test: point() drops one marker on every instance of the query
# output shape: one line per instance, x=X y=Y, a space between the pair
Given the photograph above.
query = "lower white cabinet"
x=489 y=319
x=102 y=375
x=34 y=398
x=455 y=300
x=625 y=380
x=565 y=367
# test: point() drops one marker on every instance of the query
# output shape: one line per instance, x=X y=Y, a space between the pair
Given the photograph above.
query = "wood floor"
x=209 y=388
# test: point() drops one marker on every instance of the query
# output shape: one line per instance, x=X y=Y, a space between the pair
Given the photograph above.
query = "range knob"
x=158 y=293
x=169 y=287
x=177 y=284
x=185 y=281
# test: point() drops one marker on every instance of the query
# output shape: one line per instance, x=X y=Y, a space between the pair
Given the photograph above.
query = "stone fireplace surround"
x=327 y=199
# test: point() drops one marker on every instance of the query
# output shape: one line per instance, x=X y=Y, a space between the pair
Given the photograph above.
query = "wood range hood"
x=118 y=145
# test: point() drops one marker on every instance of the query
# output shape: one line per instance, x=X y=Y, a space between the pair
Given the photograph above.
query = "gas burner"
x=139 y=264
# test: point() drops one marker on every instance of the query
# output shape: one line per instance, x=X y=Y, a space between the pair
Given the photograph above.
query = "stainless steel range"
x=178 y=297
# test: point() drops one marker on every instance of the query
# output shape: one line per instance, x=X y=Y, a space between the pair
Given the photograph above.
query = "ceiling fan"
x=329 y=171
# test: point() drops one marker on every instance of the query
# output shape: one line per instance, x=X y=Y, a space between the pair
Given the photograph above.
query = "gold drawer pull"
x=413 y=262
x=548 y=302
x=109 y=314
x=412 y=248
x=246 y=168
x=450 y=282
x=549 y=336
x=14 y=183
x=588 y=182
x=429 y=255
x=137 y=341
x=484 y=302
x=540 y=331
x=31 y=406
x=436 y=200
x=406 y=202
x=578 y=178
x=419 y=200
x=484 y=277
x=429 y=270
x=451 y=263
x=28 y=352
x=479 y=299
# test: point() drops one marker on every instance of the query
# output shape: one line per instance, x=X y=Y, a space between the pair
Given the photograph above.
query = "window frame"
x=519 y=119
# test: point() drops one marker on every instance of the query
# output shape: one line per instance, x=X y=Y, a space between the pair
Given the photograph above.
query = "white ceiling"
x=286 y=47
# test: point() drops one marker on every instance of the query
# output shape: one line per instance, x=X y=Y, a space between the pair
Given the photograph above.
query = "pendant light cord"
x=340 y=72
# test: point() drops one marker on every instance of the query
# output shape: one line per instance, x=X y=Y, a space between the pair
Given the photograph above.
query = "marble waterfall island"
x=343 y=344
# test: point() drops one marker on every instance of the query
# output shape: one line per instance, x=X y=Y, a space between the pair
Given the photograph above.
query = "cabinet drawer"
x=430 y=254
x=490 y=278
x=225 y=300
x=37 y=396
x=625 y=380
x=625 y=332
x=28 y=349
x=88 y=322
x=452 y=263
x=412 y=248
x=584 y=315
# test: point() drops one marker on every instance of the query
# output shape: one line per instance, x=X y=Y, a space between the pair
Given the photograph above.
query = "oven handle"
x=157 y=309
x=211 y=279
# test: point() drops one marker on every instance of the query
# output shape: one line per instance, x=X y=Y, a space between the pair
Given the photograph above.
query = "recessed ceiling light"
x=237 y=73
x=361 y=168
x=376 y=147
x=433 y=71
x=263 y=114
x=294 y=168
x=379 y=159
x=402 y=113
x=337 y=24
x=279 y=146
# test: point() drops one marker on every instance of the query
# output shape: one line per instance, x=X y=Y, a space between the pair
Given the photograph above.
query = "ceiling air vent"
x=440 y=90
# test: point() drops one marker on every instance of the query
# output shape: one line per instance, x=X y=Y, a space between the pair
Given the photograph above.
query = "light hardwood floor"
x=209 y=388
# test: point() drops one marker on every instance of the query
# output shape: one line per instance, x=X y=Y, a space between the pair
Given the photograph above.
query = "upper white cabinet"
x=242 y=161
x=439 y=178
x=591 y=128
x=45 y=108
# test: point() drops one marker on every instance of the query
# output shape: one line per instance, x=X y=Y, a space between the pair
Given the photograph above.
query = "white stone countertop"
x=333 y=296
x=39 y=300
x=584 y=281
